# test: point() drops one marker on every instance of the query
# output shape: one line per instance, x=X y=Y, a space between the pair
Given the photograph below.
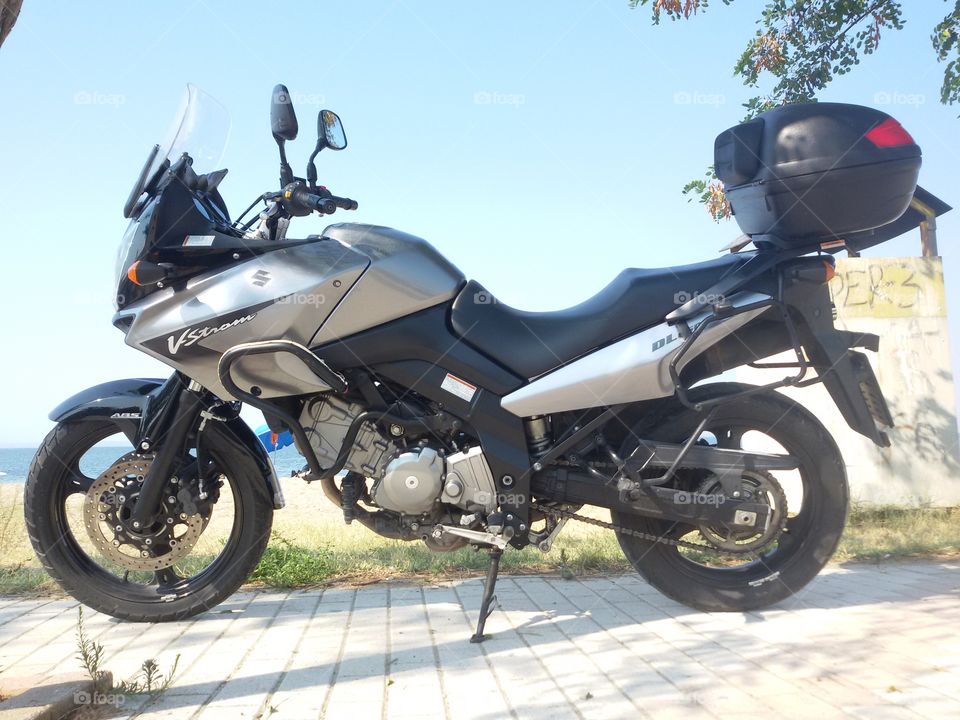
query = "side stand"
x=489 y=601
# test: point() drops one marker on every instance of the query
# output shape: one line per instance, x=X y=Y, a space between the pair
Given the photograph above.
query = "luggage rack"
x=719 y=313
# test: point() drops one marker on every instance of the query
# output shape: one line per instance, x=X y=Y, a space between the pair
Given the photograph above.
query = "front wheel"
x=213 y=528
x=727 y=571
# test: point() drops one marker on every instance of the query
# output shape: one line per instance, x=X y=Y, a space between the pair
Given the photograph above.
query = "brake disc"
x=106 y=513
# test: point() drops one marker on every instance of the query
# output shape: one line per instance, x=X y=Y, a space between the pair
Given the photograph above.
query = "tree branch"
x=9 y=12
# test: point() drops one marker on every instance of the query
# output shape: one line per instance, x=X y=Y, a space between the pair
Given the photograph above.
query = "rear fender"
x=128 y=404
x=802 y=284
x=846 y=373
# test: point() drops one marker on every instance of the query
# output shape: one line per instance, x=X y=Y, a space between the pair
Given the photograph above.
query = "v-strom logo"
x=191 y=336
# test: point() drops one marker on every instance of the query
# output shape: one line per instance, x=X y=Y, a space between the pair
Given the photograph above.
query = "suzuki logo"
x=260 y=278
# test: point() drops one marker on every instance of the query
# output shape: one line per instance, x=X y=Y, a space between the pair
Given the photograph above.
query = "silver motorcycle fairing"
x=630 y=370
x=406 y=275
x=351 y=279
x=285 y=294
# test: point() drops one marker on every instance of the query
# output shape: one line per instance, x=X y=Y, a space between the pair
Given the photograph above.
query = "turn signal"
x=831 y=271
x=146 y=273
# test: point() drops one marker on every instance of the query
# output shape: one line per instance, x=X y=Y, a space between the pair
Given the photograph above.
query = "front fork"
x=167 y=426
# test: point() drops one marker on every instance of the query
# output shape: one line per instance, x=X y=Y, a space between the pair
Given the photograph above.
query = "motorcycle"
x=429 y=412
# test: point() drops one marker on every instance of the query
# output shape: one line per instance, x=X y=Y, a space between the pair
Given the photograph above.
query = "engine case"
x=327 y=419
x=412 y=482
x=469 y=482
x=407 y=481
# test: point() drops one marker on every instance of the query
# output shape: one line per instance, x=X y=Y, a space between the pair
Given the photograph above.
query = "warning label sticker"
x=461 y=388
x=199 y=240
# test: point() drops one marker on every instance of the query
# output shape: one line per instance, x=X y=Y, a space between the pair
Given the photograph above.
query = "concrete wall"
x=902 y=300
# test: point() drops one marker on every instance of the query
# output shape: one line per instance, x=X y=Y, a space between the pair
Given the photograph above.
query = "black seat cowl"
x=532 y=343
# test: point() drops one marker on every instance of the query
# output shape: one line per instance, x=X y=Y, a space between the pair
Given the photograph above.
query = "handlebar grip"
x=322 y=204
x=345 y=203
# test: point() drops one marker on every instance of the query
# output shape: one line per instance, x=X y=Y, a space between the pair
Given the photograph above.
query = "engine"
x=408 y=479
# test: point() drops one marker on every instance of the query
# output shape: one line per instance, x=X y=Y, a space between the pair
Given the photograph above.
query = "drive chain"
x=649 y=537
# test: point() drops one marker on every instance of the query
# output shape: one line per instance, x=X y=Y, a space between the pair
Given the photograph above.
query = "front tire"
x=813 y=527
x=55 y=479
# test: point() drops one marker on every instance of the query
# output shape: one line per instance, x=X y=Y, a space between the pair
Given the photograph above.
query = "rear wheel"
x=213 y=529
x=746 y=571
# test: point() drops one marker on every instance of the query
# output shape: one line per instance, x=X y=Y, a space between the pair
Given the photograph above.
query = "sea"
x=15 y=462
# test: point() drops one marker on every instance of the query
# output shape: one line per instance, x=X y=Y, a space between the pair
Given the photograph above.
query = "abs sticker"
x=461 y=388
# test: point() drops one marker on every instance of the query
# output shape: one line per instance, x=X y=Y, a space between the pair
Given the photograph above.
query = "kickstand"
x=489 y=601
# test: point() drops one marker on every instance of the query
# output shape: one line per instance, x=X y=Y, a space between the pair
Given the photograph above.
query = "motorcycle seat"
x=532 y=343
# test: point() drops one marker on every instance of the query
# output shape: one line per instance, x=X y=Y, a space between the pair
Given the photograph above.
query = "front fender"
x=117 y=399
x=128 y=404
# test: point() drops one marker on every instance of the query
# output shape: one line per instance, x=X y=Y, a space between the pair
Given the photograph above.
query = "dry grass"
x=889 y=532
x=20 y=571
x=311 y=546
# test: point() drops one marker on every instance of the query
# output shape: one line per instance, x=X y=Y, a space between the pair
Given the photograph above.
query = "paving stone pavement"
x=862 y=641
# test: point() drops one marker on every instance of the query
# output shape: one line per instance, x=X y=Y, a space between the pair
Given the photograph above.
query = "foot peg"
x=488 y=602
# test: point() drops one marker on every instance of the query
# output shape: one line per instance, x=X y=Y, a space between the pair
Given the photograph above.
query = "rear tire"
x=811 y=536
x=48 y=485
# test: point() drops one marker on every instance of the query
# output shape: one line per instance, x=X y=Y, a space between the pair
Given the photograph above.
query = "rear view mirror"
x=329 y=135
x=283 y=120
x=283 y=123
x=330 y=129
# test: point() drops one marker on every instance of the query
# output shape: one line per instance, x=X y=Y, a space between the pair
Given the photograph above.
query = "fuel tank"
x=406 y=274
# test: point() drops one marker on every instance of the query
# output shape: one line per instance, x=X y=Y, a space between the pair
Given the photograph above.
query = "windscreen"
x=201 y=128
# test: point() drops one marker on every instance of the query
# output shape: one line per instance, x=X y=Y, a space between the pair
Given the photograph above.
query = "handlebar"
x=298 y=201
x=344 y=203
x=321 y=204
x=329 y=203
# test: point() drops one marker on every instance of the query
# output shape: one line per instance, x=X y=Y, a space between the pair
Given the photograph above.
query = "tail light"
x=889 y=134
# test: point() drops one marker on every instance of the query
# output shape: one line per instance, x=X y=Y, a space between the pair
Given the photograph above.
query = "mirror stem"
x=312 y=170
x=286 y=172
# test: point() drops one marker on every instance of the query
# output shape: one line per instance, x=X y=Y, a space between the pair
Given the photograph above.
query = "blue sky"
x=541 y=146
